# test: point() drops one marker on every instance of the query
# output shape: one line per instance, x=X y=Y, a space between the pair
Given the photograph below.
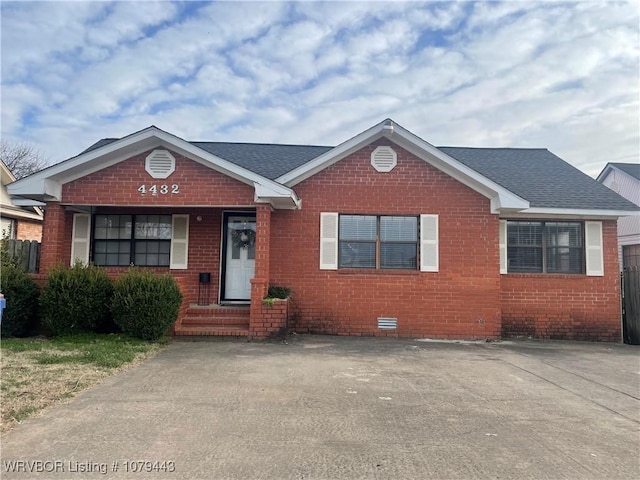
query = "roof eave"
x=46 y=185
x=280 y=198
x=573 y=213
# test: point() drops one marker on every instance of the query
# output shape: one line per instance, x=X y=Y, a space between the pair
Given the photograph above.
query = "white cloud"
x=533 y=74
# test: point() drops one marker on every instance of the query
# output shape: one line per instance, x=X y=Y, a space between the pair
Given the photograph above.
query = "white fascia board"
x=19 y=213
x=280 y=197
x=576 y=213
x=604 y=173
x=334 y=155
x=119 y=150
x=500 y=196
x=26 y=202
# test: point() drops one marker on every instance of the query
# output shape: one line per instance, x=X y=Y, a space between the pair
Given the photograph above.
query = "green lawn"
x=40 y=372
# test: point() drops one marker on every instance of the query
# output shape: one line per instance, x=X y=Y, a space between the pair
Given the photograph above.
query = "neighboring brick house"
x=17 y=222
x=383 y=234
x=624 y=179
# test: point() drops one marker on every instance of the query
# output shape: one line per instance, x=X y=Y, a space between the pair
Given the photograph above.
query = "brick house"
x=383 y=234
x=16 y=221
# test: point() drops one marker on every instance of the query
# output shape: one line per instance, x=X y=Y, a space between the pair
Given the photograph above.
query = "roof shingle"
x=536 y=175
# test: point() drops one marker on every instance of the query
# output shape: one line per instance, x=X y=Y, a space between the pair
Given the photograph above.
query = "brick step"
x=215 y=311
x=210 y=331
x=215 y=321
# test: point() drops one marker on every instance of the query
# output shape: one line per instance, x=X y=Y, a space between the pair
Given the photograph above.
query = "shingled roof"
x=541 y=177
x=536 y=175
x=632 y=169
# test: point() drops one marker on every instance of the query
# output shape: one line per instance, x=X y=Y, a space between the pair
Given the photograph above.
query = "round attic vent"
x=160 y=164
x=384 y=159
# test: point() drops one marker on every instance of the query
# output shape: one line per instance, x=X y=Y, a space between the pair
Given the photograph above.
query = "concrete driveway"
x=336 y=407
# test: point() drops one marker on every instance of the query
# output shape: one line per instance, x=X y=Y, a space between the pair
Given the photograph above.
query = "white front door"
x=240 y=257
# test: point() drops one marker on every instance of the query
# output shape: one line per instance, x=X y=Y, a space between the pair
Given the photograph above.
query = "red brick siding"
x=462 y=300
x=118 y=185
x=268 y=320
x=574 y=307
x=26 y=230
x=467 y=298
x=263 y=321
x=56 y=244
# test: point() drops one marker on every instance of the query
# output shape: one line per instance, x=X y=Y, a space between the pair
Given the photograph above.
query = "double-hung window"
x=545 y=247
x=383 y=242
x=121 y=240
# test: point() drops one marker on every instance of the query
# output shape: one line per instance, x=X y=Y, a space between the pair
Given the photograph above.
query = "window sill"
x=571 y=276
x=374 y=271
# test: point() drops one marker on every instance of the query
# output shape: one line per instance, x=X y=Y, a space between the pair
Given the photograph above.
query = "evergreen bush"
x=77 y=299
x=21 y=294
x=145 y=305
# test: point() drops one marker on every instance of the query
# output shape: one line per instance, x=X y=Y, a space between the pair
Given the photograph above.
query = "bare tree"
x=21 y=158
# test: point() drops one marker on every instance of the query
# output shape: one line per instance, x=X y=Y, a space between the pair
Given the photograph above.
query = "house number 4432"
x=159 y=189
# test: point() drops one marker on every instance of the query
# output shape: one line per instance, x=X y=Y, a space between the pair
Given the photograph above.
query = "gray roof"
x=268 y=160
x=541 y=177
x=536 y=175
x=632 y=169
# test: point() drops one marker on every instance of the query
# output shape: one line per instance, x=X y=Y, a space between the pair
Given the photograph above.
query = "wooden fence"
x=631 y=305
x=25 y=253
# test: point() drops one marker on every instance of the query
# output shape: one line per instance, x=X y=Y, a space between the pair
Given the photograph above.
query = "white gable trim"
x=606 y=171
x=575 y=213
x=501 y=198
x=46 y=185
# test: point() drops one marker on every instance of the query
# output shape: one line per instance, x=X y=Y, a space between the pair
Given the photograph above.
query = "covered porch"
x=219 y=257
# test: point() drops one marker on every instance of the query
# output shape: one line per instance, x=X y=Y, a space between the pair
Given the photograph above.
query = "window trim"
x=378 y=243
x=544 y=248
x=132 y=240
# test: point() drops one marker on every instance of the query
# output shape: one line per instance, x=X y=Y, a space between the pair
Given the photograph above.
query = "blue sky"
x=559 y=75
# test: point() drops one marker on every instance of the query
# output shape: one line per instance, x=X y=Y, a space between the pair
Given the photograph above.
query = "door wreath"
x=243 y=238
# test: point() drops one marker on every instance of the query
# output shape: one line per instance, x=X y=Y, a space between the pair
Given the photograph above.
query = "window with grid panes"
x=539 y=247
x=121 y=240
x=378 y=241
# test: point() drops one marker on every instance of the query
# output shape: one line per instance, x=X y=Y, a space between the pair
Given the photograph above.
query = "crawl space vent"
x=384 y=159
x=160 y=164
x=387 y=323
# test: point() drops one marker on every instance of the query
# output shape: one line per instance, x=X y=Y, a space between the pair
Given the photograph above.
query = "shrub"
x=21 y=294
x=77 y=299
x=278 y=292
x=145 y=305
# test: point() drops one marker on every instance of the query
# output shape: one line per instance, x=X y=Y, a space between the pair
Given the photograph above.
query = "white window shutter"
x=179 y=242
x=429 y=243
x=594 y=249
x=81 y=238
x=328 y=241
x=503 y=246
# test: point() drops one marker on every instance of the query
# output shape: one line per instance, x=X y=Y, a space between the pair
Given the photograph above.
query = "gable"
x=621 y=181
x=46 y=185
x=412 y=185
x=501 y=198
x=130 y=183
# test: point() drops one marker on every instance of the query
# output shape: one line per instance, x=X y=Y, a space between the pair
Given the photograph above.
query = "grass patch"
x=38 y=372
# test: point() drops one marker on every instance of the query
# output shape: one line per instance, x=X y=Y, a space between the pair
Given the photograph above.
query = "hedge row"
x=84 y=299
